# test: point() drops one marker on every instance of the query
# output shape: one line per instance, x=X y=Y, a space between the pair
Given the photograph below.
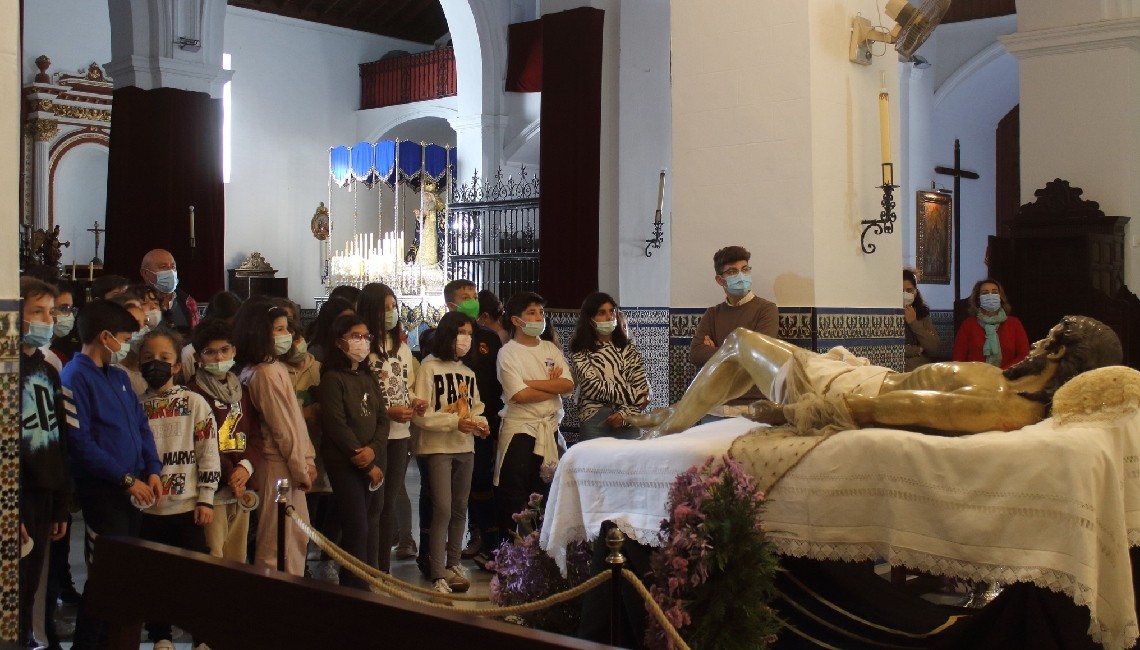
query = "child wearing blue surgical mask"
x=534 y=375
x=993 y=335
x=282 y=447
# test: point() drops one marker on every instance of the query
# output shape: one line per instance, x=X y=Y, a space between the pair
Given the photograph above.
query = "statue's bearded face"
x=1038 y=357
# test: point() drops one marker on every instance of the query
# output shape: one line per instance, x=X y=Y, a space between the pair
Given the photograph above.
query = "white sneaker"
x=441 y=586
x=457 y=579
x=328 y=570
x=201 y=646
x=165 y=644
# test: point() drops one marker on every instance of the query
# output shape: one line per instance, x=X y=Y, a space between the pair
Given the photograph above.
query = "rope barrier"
x=381 y=582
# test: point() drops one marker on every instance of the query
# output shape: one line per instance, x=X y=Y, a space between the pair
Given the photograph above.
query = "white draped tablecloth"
x=1054 y=506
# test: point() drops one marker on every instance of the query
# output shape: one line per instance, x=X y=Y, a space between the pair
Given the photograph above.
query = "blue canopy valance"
x=391 y=162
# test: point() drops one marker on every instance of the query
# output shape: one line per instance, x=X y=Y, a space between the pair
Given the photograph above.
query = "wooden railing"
x=230 y=605
x=406 y=79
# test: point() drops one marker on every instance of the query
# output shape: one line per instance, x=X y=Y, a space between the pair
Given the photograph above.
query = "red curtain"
x=166 y=155
x=524 y=57
x=570 y=156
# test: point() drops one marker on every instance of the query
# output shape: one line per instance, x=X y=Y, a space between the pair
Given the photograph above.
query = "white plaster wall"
x=10 y=82
x=644 y=146
x=741 y=137
x=296 y=90
x=971 y=97
x=420 y=120
x=73 y=33
x=1044 y=14
x=846 y=165
x=521 y=136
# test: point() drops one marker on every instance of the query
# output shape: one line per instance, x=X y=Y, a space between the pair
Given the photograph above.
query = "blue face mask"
x=117 y=356
x=64 y=324
x=166 y=281
x=39 y=334
x=990 y=301
x=739 y=284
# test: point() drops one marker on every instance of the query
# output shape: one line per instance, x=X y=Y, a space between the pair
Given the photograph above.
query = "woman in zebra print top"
x=608 y=371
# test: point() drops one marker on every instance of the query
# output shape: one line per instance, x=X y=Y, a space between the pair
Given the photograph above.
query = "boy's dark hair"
x=585 y=336
x=209 y=329
x=252 y=331
x=165 y=331
x=346 y=292
x=370 y=307
x=453 y=287
x=490 y=304
x=34 y=288
x=142 y=292
x=517 y=304
x=100 y=316
x=224 y=304
x=335 y=358
x=104 y=283
x=729 y=255
x=66 y=286
x=443 y=341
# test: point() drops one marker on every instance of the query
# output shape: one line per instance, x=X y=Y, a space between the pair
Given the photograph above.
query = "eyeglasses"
x=732 y=272
x=356 y=336
x=64 y=310
x=216 y=353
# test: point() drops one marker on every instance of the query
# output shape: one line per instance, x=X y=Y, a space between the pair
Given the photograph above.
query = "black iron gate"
x=493 y=239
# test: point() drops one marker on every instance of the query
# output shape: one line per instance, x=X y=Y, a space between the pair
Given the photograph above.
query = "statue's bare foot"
x=650 y=418
x=650 y=434
x=767 y=412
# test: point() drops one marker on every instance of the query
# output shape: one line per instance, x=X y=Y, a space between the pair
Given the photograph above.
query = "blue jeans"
x=596 y=427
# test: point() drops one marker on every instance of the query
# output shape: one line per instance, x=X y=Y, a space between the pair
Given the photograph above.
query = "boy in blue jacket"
x=111 y=447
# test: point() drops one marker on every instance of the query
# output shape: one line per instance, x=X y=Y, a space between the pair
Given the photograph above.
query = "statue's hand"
x=767 y=412
x=649 y=418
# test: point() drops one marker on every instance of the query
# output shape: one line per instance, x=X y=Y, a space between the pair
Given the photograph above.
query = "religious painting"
x=935 y=244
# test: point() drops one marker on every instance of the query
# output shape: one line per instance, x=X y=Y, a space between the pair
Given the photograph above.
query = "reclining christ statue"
x=812 y=390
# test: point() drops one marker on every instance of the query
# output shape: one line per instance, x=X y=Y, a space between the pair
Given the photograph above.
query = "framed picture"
x=935 y=241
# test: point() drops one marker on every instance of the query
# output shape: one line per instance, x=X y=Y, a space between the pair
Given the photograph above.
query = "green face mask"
x=469 y=308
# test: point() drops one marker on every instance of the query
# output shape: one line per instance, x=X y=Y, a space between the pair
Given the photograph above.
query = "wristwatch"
x=127 y=481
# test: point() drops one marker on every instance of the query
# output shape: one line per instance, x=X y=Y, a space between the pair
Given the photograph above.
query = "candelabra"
x=658 y=234
x=885 y=224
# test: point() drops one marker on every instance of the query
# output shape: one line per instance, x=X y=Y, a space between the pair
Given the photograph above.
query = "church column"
x=1080 y=105
x=43 y=132
x=478 y=144
x=165 y=148
x=10 y=84
x=776 y=148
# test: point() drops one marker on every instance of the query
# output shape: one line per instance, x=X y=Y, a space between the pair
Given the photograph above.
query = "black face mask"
x=156 y=373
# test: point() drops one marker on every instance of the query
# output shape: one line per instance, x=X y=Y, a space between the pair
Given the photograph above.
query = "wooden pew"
x=234 y=606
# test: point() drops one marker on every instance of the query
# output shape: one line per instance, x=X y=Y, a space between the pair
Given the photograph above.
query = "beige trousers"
x=226 y=533
x=296 y=541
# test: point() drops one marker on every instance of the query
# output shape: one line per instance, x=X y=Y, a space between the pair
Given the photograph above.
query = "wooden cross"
x=958 y=173
x=98 y=231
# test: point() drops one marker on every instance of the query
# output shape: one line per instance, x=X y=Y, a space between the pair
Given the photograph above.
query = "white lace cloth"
x=626 y=482
x=1054 y=506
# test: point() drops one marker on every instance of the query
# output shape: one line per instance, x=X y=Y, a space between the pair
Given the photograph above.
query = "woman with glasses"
x=281 y=445
x=354 y=434
x=608 y=371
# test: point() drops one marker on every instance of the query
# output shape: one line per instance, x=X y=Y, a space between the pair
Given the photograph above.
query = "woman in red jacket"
x=992 y=335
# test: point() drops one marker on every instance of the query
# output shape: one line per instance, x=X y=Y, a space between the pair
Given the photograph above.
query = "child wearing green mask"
x=214 y=357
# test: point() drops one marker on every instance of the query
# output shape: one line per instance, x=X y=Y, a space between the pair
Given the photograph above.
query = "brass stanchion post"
x=614 y=540
x=282 y=516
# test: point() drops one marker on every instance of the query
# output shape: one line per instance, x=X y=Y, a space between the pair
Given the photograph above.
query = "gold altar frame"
x=934 y=234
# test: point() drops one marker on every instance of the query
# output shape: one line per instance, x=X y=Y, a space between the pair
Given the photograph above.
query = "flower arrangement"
x=713 y=576
x=525 y=573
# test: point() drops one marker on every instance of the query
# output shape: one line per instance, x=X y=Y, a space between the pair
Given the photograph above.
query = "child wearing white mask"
x=453 y=416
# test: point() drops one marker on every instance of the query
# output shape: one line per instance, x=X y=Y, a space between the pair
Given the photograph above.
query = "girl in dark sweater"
x=354 y=424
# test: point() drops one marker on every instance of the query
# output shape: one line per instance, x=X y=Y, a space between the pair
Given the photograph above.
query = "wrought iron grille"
x=494 y=233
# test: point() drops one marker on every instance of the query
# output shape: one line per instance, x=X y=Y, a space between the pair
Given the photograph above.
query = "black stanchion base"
x=597 y=603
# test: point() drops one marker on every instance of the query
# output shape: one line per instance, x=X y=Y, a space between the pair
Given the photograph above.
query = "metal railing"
x=409 y=78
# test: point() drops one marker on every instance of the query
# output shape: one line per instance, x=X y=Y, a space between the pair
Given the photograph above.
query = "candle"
x=885 y=121
x=91 y=270
x=191 y=223
x=660 y=197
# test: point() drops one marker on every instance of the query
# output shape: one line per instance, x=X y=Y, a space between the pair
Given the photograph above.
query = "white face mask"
x=282 y=343
x=357 y=350
x=908 y=299
x=153 y=317
x=532 y=327
x=605 y=327
x=391 y=318
x=462 y=345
